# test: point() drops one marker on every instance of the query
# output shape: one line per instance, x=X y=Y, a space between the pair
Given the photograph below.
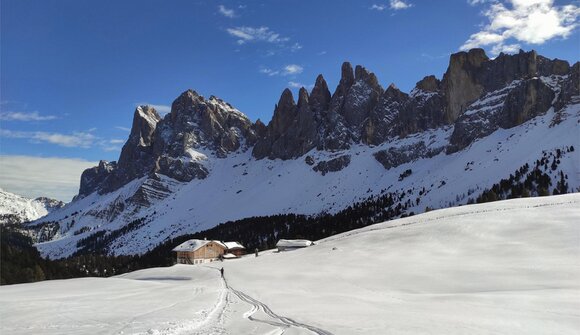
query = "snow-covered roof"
x=294 y=243
x=194 y=244
x=233 y=245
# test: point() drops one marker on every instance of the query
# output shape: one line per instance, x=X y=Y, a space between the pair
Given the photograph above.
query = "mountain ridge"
x=346 y=146
x=16 y=209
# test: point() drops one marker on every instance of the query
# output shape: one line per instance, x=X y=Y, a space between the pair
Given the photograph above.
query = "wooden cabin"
x=286 y=245
x=199 y=251
x=235 y=248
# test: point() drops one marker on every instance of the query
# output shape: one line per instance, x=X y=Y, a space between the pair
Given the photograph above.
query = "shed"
x=285 y=245
x=235 y=248
x=199 y=251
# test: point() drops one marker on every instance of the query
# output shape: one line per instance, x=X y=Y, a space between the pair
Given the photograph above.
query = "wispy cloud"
x=76 y=139
x=287 y=70
x=25 y=116
x=295 y=47
x=84 y=139
x=477 y=2
x=522 y=21
x=380 y=8
x=269 y=72
x=52 y=177
x=227 y=12
x=123 y=128
x=256 y=34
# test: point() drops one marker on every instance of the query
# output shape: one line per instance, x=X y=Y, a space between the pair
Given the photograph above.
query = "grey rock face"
x=471 y=74
x=570 y=87
x=526 y=101
x=93 y=179
x=477 y=95
x=197 y=123
x=393 y=157
x=361 y=98
x=136 y=156
x=429 y=84
x=505 y=108
x=320 y=96
x=173 y=146
x=333 y=165
x=382 y=121
x=460 y=82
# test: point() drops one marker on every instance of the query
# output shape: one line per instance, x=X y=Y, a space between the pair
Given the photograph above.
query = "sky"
x=72 y=72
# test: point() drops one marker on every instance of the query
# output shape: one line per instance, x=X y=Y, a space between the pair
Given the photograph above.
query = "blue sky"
x=73 y=71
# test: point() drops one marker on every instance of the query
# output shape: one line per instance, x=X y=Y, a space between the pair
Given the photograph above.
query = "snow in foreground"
x=507 y=267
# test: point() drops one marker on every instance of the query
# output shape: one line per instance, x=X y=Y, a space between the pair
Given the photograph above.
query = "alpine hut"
x=199 y=251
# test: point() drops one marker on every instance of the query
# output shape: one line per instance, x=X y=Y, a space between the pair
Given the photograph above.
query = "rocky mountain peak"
x=347 y=75
x=519 y=86
x=302 y=98
x=284 y=112
x=429 y=84
x=320 y=95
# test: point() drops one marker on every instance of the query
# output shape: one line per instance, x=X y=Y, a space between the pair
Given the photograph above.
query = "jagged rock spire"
x=320 y=95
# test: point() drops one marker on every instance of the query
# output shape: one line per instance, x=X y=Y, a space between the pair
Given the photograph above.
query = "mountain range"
x=15 y=209
x=447 y=142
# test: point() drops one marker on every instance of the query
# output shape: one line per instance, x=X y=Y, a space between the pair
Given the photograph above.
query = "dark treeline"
x=527 y=182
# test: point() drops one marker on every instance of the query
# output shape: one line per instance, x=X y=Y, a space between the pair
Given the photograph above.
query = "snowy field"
x=510 y=267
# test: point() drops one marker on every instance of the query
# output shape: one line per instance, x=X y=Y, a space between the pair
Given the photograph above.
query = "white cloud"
x=269 y=72
x=288 y=70
x=295 y=47
x=399 y=4
x=76 y=139
x=25 y=116
x=226 y=11
x=253 y=34
x=522 y=21
x=380 y=8
x=477 y=2
x=393 y=5
x=53 y=177
x=292 y=69
x=123 y=128
x=294 y=84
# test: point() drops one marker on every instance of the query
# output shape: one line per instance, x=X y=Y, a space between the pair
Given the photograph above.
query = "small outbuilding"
x=199 y=251
x=235 y=248
x=286 y=245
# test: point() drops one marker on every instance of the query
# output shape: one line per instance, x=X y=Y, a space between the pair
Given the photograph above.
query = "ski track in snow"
x=281 y=321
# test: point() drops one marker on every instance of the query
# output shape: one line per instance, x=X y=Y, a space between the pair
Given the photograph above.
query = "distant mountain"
x=448 y=142
x=15 y=209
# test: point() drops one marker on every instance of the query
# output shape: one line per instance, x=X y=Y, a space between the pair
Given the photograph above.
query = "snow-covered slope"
x=240 y=186
x=14 y=208
x=508 y=267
